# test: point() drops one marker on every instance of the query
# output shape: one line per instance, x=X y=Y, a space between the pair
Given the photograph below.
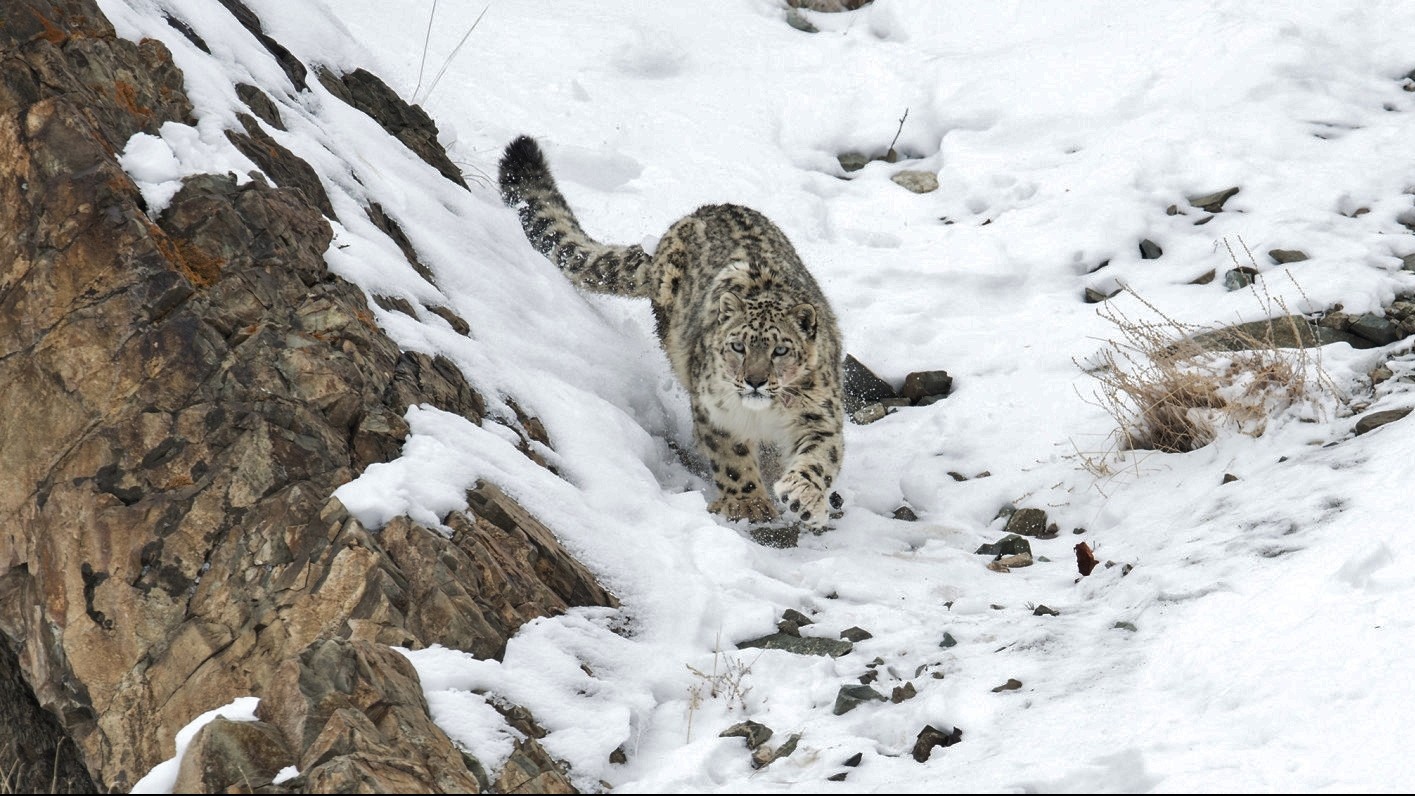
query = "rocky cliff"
x=182 y=393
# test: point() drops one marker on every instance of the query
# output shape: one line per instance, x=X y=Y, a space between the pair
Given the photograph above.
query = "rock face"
x=183 y=394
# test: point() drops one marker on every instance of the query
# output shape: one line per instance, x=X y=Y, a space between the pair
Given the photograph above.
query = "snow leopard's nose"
x=755 y=382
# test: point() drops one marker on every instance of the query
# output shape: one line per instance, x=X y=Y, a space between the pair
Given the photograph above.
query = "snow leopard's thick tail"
x=550 y=225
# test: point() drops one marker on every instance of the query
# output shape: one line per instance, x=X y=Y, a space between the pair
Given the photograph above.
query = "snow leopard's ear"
x=804 y=316
x=728 y=306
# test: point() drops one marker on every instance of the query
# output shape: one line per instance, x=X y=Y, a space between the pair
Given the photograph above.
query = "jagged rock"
x=1213 y=202
x=1149 y=250
x=853 y=161
x=1093 y=296
x=1204 y=278
x=1282 y=256
x=796 y=617
x=763 y=756
x=407 y=123
x=856 y=634
x=906 y=514
x=800 y=645
x=915 y=180
x=1239 y=278
x=227 y=753
x=1374 y=420
x=948 y=641
x=1012 y=684
x=903 y=692
x=1009 y=545
x=1377 y=329
x=1407 y=262
x=1028 y=522
x=755 y=733
x=829 y=5
x=869 y=414
x=1042 y=610
x=852 y=696
x=926 y=383
x=183 y=394
x=931 y=737
x=861 y=386
x=1292 y=331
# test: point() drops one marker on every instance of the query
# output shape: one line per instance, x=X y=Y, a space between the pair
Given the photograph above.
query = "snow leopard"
x=746 y=328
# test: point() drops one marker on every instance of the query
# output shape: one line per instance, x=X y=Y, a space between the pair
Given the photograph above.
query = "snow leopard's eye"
x=780 y=351
x=738 y=347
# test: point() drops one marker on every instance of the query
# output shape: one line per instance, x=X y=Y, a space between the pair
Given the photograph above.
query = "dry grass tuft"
x=1172 y=386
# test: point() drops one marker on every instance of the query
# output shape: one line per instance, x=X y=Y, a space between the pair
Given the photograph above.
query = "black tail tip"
x=522 y=161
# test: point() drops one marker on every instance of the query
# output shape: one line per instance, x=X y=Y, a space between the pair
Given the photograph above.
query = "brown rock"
x=226 y=754
x=182 y=396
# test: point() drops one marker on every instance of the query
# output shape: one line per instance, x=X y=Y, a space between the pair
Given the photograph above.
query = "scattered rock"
x=1094 y=296
x=1374 y=420
x=916 y=181
x=853 y=161
x=840 y=777
x=869 y=414
x=1012 y=684
x=227 y=753
x=1028 y=522
x=925 y=383
x=856 y=634
x=764 y=756
x=829 y=6
x=1042 y=610
x=755 y=733
x=1212 y=202
x=854 y=760
x=852 y=696
x=1204 y=278
x=948 y=641
x=1229 y=478
x=903 y=692
x=906 y=514
x=931 y=737
x=1289 y=331
x=796 y=617
x=1123 y=625
x=1008 y=563
x=1085 y=559
x=861 y=386
x=1149 y=250
x=800 y=645
x=1283 y=256
x=1407 y=262
x=618 y=756
x=1378 y=329
x=1239 y=278
x=1011 y=544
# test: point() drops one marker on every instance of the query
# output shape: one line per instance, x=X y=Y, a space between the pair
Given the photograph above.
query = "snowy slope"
x=1263 y=623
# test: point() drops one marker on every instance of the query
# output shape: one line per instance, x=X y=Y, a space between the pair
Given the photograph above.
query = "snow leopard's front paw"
x=804 y=499
x=753 y=508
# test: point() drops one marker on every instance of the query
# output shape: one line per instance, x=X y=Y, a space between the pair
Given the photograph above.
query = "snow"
x=164 y=775
x=1257 y=644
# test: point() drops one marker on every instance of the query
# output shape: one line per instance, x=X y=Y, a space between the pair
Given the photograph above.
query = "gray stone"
x=903 y=692
x=1281 y=256
x=226 y=753
x=1094 y=296
x=852 y=696
x=948 y=641
x=856 y=634
x=1009 y=545
x=755 y=733
x=906 y=514
x=1290 y=331
x=923 y=383
x=869 y=414
x=1377 y=329
x=1212 y=202
x=861 y=386
x=1239 y=278
x=800 y=645
x=1204 y=278
x=853 y=161
x=1149 y=250
x=916 y=181
x=1027 y=522
x=1374 y=420
x=1407 y=262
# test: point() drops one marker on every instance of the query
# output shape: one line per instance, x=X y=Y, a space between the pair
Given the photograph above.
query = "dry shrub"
x=1172 y=386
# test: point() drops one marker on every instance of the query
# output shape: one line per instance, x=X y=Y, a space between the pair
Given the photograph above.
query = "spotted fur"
x=745 y=326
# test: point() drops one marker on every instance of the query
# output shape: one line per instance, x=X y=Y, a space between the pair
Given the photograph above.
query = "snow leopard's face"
x=765 y=348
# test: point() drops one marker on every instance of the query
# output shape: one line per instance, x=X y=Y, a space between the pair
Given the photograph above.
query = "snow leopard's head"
x=766 y=347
